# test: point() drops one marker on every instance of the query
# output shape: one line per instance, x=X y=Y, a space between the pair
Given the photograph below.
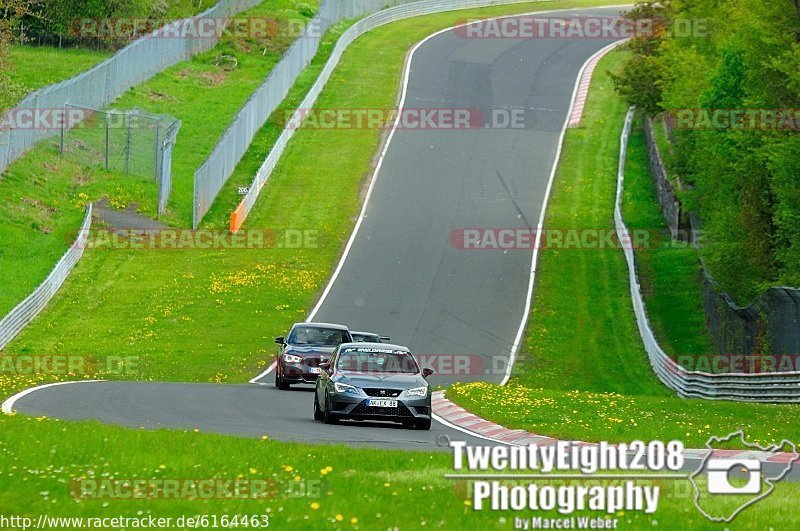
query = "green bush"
x=742 y=181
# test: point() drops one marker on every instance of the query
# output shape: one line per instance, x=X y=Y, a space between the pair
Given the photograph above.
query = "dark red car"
x=307 y=345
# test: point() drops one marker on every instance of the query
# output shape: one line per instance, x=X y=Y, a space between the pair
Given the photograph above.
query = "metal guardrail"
x=215 y=171
x=746 y=387
x=103 y=83
x=769 y=323
x=407 y=10
x=24 y=312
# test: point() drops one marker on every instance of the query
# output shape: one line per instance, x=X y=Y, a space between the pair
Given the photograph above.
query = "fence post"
x=106 y=161
x=63 y=119
x=155 y=150
x=127 y=142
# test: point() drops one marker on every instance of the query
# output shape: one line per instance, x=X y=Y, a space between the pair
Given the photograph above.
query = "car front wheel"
x=318 y=414
x=280 y=383
x=329 y=417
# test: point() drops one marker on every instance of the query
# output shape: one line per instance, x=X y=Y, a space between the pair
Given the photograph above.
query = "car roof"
x=382 y=346
x=322 y=325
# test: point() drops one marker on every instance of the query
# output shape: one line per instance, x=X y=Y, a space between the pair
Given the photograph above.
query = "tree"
x=11 y=12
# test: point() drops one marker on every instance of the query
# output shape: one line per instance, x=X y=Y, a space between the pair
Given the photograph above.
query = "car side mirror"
x=427 y=371
x=325 y=366
x=280 y=340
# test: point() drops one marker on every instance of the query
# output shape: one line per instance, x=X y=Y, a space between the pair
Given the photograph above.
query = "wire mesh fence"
x=770 y=324
x=133 y=142
x=765 y=384
x=678 y=219
x=218 y=167
x=103 y=83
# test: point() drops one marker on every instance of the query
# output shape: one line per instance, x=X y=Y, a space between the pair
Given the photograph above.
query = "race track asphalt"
x=457 y=309
x=403 y=277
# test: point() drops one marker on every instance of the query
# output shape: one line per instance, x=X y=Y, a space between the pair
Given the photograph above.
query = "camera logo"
x=718 y=476
x=732 y=476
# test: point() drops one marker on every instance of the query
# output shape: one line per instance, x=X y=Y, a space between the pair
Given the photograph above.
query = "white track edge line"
x=449 y=424
x=8 y=405
x=373 y=178
x=535 y=258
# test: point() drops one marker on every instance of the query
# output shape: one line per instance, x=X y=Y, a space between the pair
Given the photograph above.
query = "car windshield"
x=377 y=360
x=317 y=336
x=359 y=337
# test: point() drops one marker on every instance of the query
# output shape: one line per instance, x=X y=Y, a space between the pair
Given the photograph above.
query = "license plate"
x=381 y=403
x=314 y=370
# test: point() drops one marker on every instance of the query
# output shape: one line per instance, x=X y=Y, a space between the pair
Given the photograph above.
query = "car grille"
x=313 y=362
x=391 y=393
x=399 y=411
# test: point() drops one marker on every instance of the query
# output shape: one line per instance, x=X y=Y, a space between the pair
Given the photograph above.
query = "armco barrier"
x=409 y=9
x=755 y=387
x=13 y=323
x=103 y=83
x=212 y=175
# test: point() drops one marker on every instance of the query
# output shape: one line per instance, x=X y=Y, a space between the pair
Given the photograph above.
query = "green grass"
x=366 y=489
x=135 y=303
x=208 y=315
x=581 y=318
x=669 y=272
x=583 y=373
x=43 y=196
x=34 y=67
x=614 y=417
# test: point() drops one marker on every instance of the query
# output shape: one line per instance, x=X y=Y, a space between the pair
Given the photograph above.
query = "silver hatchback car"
x=373 y=381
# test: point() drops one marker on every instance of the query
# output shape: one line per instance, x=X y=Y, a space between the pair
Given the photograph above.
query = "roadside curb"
x=585 y=82
x=473 y=424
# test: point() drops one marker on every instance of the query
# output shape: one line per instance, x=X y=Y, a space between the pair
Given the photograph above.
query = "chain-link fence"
x=678 y=219
x=771 y=324
x=218 y=167
x=103 y=83
x=133 y=142
x=768 y=384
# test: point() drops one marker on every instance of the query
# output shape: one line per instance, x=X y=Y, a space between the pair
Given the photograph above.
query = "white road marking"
x=8 y=405
x=535 y=259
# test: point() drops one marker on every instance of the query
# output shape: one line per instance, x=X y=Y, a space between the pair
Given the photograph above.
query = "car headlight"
x=418 y=391
x=344 y=388
x=289 y=358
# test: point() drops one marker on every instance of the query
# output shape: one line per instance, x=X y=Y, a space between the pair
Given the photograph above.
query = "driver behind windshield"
x=316 y=336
